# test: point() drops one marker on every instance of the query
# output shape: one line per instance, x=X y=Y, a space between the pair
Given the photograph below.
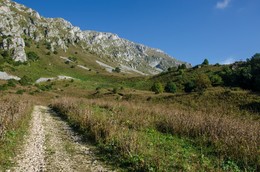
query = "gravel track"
x=51 y=145
x=32 y=156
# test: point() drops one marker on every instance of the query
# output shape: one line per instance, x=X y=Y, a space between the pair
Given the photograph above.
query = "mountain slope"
x=20 y=24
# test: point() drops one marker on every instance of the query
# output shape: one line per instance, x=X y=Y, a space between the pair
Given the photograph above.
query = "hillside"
x=22 y=29
x=73 y=100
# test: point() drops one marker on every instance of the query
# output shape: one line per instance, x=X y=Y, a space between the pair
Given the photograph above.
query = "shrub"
x=171 y=87
x=32 y=56
x=11 y=83
x=6 y=54
x=55 y=52
x=189 y=86
x=202 y=82
x=170 y=69
x=48 y=53
x=3 y=87
x=20 y=91
x=205 y=62
x=74 y=59
x=216 y=80
x=117 y=70
x=256 y=85
x=157 y=88
x=25 y=80
x=46 y=87
x=182 y=66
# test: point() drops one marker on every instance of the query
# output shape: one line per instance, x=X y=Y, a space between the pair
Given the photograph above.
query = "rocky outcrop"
x=6 y=76
x=18 y=22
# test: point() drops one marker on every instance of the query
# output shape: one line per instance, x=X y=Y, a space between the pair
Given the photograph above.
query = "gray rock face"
x=18 y=22
x=6 y=76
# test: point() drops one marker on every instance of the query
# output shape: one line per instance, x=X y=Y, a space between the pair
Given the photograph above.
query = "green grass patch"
x=12 y=142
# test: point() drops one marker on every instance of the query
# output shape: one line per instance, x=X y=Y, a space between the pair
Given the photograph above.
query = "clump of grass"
x=120 y=130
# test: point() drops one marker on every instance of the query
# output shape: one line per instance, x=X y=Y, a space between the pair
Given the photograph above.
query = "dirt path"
x=51 y=145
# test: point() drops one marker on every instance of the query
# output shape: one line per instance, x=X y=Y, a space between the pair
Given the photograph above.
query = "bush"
x=189 y=86
x=182 y=66
x=243 y=74
x=32 y=56
x=74 y=59
x=170 y=87
x=202 y=82
x=48 y=54
x=46 y=87
x=205 y=62
x=6 y=54
x=157 y=88
x=117 y=70
x=25 y=80
x=3 y=87
x=216 y=80
x=11 y=83
x=20 y=91
x=170 y=69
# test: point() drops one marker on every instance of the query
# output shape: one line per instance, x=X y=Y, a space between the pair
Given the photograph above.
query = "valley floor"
x=51 y=145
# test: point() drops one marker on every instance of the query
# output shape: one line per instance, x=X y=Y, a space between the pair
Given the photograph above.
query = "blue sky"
x=190 y=30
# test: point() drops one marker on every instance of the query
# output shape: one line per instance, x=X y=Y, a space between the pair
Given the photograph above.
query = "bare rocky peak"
x=18 y=21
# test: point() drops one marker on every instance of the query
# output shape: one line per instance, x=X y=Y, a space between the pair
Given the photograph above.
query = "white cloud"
x=229 y=60
x=223 y=4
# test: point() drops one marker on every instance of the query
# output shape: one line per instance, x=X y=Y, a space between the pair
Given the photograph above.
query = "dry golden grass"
x=14 y=119
x=230 y=136
x=12 y=110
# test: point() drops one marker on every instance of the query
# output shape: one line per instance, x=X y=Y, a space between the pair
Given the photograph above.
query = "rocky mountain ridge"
x=19 y=23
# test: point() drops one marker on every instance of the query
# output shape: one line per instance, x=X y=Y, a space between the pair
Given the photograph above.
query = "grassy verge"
x=145 y=137
x=14 y=122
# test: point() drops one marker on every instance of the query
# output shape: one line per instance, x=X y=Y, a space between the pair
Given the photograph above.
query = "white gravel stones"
x=51 y=145
x=32 y=157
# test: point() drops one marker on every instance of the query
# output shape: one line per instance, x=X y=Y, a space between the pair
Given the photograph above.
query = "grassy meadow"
x=198 y=121
x=153 y=135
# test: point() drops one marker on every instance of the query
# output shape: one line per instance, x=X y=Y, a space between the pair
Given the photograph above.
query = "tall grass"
x=229 y=137
x=12 y=111
x=14 y=117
